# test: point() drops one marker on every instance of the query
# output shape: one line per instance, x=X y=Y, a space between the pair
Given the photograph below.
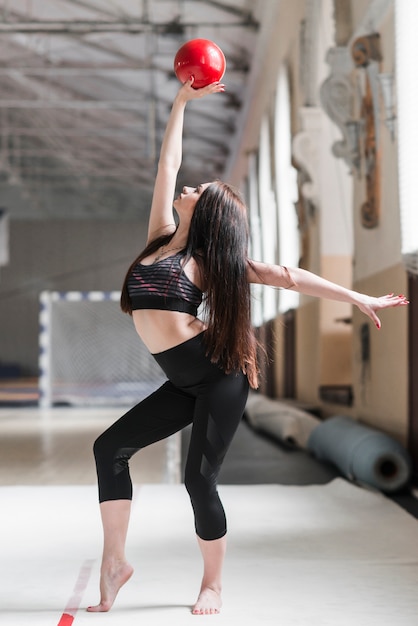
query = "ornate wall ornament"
x=337 y=100
x=366 y=49
x=305 y=151
x=366 y=55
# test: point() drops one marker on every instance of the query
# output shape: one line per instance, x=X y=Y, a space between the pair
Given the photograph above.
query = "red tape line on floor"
x=73 y=604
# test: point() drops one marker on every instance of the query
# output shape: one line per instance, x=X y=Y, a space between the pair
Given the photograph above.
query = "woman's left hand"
x=187 y=92
x=370 y=305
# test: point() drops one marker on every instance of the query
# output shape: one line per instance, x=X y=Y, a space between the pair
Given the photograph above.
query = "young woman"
x=210 y=362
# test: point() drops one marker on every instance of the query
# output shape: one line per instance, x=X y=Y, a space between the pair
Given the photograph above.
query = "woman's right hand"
x=187 y=92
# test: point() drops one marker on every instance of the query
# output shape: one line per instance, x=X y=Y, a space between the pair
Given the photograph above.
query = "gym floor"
x=304 y=529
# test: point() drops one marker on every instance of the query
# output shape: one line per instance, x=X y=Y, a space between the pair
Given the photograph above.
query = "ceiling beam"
x=104 y=11
x=86 y=27
x=128 y=128
x=71 y=104
x=80 y=69
x=101 y=169
x=79 y=151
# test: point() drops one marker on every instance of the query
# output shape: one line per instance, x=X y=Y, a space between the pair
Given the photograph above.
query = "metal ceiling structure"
x=85 y=90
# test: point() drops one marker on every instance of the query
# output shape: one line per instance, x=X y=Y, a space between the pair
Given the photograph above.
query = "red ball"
x=202 y=59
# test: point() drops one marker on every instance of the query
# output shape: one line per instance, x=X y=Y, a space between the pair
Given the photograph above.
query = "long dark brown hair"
x=218 y=241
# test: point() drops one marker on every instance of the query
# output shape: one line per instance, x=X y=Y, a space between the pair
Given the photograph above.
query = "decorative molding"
x=366 y=49
x=366 y=53
x=337 y=100
x=305 y=151
x=306 y=161
x=359 y=145
x=370 y=209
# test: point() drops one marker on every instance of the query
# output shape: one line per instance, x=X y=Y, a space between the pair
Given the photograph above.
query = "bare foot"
x=111 y=580
x=208 y=603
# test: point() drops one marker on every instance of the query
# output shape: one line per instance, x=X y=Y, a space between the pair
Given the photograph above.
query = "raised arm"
x=161 y=220
x=310 y=284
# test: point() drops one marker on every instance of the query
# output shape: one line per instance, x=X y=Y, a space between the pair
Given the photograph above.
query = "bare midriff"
x=162 y=330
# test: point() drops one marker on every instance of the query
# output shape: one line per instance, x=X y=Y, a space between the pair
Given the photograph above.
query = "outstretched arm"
x=310 y=284
x=161 y=219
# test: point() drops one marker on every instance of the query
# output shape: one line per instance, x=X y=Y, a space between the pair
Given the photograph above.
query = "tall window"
x=268 y=212
x=285 y=188
x=255 y=239
x=406 y=20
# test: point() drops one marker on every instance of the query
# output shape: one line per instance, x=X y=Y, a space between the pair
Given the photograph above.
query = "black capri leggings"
x=197 y=392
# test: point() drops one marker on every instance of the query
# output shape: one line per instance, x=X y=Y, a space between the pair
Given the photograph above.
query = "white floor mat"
x=333 y=555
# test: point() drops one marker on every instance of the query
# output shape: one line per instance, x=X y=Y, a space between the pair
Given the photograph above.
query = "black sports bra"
x=163 y=285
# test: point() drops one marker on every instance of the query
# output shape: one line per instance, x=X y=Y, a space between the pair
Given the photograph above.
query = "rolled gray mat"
x=361 y=453
x=287 y=424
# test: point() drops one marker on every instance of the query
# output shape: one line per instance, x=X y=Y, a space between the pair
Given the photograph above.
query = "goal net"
x=90 y=353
